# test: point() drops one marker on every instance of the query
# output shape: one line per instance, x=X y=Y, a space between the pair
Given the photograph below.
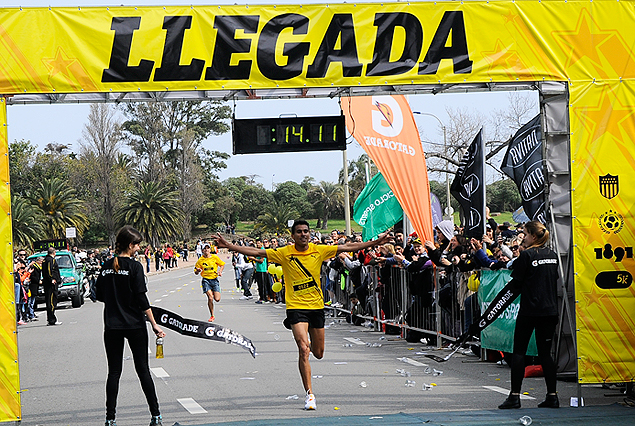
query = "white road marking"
x=159 y=372
x=192 y=406
x=412 y=362
x=506 y=392
x=158 y=300
x=165 y=295
x=355 y=341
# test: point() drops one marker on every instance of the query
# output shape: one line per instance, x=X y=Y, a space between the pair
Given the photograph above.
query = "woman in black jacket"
x=535 y=273
x=121 y=286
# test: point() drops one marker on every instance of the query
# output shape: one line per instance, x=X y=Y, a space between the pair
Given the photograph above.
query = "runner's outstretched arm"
x=381 y=239
x=246 y=250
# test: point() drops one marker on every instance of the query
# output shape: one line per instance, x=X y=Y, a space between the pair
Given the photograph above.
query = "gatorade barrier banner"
x=603 y=204
x=385 y=127
x=10 y=408
x=497 y=328
x=376 y=208
x=201 y=329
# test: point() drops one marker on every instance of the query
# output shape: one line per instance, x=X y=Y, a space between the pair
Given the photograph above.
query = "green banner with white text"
x=499 y=335
x=376 y=209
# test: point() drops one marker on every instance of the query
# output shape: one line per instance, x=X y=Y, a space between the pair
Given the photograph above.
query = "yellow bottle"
x=159 y=347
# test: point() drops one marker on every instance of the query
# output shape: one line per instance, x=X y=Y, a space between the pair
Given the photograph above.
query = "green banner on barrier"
x=499 y=335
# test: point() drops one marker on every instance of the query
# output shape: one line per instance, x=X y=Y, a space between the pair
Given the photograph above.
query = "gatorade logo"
x=387 y=118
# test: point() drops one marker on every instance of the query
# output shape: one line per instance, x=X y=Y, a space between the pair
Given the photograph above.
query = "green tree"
x=60 y=207
x=21 y=160
x=227 y=208
x=153 y=209
x=252 y=200
x=103 y=175
x=503 y=196
x=440 y=190
x=292 y=194
x=275 y=219
x=56 y=161
x=308 y=183
x=328 y=197
x=26 y=222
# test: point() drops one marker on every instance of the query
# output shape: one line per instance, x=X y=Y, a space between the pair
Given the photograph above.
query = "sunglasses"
x=515 y=247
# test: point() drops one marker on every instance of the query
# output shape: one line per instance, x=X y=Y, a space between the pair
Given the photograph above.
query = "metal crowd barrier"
x=444 y=312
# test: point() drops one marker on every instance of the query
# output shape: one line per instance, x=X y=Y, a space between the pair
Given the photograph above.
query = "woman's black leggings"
x=138 y=342
x=545 y=328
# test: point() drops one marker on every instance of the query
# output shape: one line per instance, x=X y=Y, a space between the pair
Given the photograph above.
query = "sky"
x=63 y=124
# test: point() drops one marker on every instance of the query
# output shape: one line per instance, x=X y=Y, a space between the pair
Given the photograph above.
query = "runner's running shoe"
x=309 y=402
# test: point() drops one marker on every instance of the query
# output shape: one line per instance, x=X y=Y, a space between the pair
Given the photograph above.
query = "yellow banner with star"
x=176 y=48
x=99 y=49
x=603 y=202
x=10 y=408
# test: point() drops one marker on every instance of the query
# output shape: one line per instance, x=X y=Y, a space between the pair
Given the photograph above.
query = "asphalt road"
x=63 y=369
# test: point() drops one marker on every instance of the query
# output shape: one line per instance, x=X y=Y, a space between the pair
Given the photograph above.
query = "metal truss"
x=277 y=93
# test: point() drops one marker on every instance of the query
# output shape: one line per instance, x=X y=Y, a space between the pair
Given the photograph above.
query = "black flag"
x=201 y=329
x=468 y=188
x=523 y=163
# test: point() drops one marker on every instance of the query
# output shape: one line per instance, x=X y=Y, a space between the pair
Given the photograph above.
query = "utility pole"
x=347 y=201
x=448 y=209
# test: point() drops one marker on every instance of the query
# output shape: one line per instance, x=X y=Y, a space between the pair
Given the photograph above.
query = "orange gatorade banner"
x=385 y=127
x=10 y=408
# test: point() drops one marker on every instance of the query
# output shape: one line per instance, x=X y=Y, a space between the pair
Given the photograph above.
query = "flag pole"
x=347 y=201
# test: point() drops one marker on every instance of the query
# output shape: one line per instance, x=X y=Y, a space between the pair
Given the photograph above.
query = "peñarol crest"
x=609 y=186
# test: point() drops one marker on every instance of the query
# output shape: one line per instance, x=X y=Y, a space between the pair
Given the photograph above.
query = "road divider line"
x=354 y=340
x=506 y=392
x=412 y=362
x=192 y=406
x=159 y=372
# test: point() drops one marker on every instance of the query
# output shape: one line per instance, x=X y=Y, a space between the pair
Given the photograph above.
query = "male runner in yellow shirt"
x=301 y=263
x=210 y=266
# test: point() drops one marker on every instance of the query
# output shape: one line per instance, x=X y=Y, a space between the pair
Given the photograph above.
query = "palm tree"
x=275 y=218
x=60 y=207
x=26 y=222
x=328 y=196
x=154 y=210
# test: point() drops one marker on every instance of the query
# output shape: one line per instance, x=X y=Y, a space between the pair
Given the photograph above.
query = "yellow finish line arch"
x=105 y=54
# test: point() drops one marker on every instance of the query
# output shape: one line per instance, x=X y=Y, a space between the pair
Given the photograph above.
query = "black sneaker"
x=551 y=401
x=156 y=421
x=286 y=323
x=512 y=401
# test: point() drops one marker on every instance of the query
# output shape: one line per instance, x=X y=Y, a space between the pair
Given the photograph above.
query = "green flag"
x=376 y=208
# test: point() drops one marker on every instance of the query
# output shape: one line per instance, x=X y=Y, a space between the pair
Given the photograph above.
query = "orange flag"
x=385 y=127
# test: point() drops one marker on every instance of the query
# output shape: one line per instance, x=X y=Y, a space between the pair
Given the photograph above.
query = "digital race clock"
x=288 y=134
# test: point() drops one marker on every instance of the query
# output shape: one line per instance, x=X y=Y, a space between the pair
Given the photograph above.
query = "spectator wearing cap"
x=210 y=266
x=506 y=231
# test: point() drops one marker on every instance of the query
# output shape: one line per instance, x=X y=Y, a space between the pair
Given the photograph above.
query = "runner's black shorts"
x=315 y=317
